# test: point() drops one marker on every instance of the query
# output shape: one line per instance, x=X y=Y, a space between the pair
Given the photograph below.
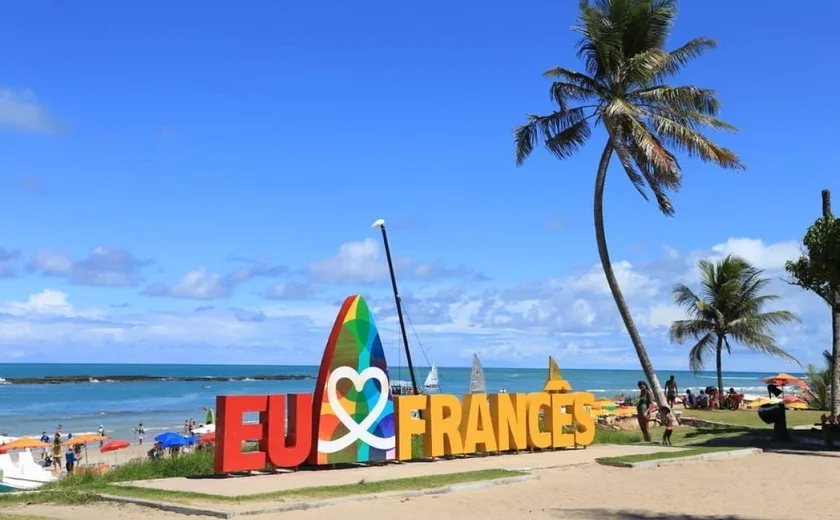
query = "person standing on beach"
x=46 y=440
x=56 y=452
x=71 y=458
x=671 y=391
x=643 y=409
x=140 y=432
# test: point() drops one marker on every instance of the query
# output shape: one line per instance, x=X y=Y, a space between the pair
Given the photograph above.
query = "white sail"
x=432 y=380
x=477 y=384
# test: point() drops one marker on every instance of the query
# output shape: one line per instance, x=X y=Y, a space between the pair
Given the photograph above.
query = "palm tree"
x=645 y=119
x=731 y=307
x=819 y=384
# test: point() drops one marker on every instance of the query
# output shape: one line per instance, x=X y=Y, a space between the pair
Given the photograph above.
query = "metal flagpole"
x=381 y=225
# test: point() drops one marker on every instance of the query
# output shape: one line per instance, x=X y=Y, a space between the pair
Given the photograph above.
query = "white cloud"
x=199 y=284
x=360 y=262
x=573 y=317
x=632 y=283
x=761 y=255
x=48 y=302
x=103 y=267
x=21 y=110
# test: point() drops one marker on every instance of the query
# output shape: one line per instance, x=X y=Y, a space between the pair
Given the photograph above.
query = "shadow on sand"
x=611 y=514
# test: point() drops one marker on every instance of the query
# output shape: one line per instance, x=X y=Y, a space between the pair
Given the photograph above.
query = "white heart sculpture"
x=356 y=430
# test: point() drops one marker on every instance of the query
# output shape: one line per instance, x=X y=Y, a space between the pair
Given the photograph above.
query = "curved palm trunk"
x=719 y=365
x=835 y=363
x=604 y=254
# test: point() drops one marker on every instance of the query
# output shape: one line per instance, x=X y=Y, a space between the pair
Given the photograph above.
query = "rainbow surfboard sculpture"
x=353 y=412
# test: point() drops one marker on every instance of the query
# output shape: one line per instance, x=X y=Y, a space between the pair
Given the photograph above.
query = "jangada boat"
x=25 y=475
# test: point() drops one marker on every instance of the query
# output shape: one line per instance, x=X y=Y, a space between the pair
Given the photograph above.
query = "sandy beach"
x=769 y=486
x=94 y=456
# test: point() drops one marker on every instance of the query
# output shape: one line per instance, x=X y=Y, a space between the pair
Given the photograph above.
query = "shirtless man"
x=671 y=391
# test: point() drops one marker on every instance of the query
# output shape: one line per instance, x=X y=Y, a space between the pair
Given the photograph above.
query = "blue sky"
x=196 y=183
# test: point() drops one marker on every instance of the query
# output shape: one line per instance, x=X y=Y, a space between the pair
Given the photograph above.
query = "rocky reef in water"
x=60 y=380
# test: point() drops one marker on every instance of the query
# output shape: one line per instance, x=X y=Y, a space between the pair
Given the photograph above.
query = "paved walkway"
x=261 y=483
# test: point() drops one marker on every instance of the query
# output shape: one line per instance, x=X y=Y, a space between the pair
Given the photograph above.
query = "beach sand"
x=94 y=456
x=769 y=486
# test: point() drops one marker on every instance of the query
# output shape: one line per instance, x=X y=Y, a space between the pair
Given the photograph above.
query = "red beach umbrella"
x=210 y=438
x=114 y=446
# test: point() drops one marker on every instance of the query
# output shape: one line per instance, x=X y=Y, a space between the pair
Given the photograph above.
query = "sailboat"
x=555 y=382
x=432 y=380
x=477 y=383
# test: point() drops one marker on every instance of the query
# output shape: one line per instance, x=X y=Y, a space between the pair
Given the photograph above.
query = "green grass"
x=675 y=454
x=84 y=488
x=750 y=417
x=682 y=436
x=193 y=464
x=617 y=437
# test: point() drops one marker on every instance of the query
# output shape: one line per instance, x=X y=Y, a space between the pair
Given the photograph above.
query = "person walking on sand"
x=671 y=391
x=643 y=409
x=669 y=420
x=140 y=432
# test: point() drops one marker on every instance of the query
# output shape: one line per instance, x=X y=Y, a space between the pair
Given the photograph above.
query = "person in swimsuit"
x=643 y=409
x=671 y=391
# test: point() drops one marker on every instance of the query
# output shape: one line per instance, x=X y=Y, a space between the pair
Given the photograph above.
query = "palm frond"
x=562 y=92
x=697 y=355
x=565 y=130
x=694 y=143
x=575 y=78
x=685 y=298
x=691 y=50
x=682 y=330
x=687 y=99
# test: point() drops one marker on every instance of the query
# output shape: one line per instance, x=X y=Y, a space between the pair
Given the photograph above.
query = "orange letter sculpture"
x=407 y=425
x=442 y=423
x=477 y=432
x=509 y=413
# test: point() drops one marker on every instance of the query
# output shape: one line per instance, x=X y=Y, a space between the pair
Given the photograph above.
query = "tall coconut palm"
x=731 y=307
x=645 y=119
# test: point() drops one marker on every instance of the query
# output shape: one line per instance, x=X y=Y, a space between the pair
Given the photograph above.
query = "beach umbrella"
x=785 y=379
x=23 y=443
x=210 y=438
x=625 y=410
x=797 y=405
x=114 y=446
x=605 y=404
x=165 y=435
x=84 y=440
x=761 y=401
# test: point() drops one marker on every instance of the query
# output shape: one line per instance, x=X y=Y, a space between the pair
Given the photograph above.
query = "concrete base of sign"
x=259 y=483
x=314 y=504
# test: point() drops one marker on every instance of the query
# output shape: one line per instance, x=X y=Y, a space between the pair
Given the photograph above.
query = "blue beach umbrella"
x=168 y=435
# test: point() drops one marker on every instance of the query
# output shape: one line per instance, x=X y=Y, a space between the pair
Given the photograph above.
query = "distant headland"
x=60 y=380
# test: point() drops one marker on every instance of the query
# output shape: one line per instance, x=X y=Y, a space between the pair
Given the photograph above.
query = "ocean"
x=164 y=405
